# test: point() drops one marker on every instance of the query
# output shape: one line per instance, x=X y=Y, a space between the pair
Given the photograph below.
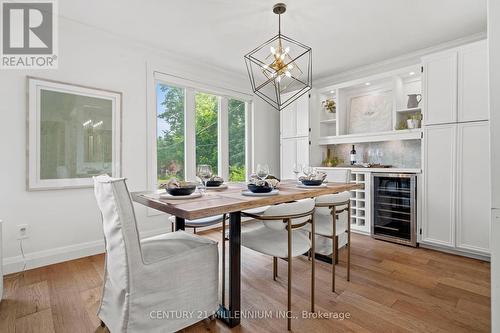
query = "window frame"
x=190 y=89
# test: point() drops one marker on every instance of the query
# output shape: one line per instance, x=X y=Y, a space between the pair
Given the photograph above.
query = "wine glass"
x=204 y=171
x=262 y=171
x=297 y=167
x=308 y=170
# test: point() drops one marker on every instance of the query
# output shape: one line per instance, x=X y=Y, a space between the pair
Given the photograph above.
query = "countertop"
x=383 y=170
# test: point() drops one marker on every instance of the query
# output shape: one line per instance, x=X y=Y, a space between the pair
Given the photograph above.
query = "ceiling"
x=343 y=34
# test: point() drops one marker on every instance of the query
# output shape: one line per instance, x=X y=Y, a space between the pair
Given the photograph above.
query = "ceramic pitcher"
x=413 y=100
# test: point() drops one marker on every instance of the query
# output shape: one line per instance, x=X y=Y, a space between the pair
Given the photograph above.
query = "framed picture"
x=370 y=113
x=74 y=133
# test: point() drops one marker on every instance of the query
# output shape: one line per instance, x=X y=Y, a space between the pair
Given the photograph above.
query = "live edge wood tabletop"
x=231 y=201
x=216 y=202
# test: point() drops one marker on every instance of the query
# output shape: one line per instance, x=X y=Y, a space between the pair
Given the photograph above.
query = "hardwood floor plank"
x=32 y=298
x=38 y=322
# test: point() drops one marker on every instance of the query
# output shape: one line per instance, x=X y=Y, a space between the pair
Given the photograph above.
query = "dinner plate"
x=220 y=187
x=311 y=186
x=193 y=195
x=248 y=193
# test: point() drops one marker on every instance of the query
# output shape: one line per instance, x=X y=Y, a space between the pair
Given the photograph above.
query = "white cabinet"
x=473 y=82
x=456 y=85
x=473 y=187
x=294 y=129
x=294 y=119
x=456 y=188
x=439 y=185
x=440 y=88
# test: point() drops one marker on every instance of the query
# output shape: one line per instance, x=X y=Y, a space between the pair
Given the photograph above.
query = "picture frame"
x=74 y=132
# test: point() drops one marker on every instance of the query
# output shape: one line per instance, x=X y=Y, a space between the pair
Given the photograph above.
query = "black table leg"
x=231 y=316
x=179 y=223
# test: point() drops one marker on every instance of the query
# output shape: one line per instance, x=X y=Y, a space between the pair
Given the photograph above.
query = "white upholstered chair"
x=165 y=274
x=332 y=236
x=276 y=237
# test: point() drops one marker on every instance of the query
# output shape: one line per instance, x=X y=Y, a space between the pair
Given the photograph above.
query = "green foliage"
x=170 y=142
x=206 y=130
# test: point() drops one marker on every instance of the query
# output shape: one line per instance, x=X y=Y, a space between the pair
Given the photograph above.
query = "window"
x=236 y=115
x=194 y=124
x=207 y=143
x=169 y=132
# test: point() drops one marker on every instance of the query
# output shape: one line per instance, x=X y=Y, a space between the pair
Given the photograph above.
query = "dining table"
x=231 y=200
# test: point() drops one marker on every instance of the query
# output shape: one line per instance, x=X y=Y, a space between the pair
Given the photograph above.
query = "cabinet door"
x=473 y=187
x=288 y=121
x=302 y=110
x=438 y=211
x=473 y=82
x=302 y=145
x=440 y=88
x=288 y=157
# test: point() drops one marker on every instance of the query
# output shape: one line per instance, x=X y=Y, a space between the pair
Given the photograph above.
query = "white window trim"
x=190 y=86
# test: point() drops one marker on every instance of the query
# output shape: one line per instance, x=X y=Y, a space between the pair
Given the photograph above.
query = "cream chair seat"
x=332 y=222
x=275 y=236
x=170 y=273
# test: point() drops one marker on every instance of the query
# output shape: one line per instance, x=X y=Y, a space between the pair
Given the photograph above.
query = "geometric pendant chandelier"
x=280 y=69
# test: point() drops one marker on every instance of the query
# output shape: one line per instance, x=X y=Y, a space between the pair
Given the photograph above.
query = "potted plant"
x=330 y=105
x=413 y=121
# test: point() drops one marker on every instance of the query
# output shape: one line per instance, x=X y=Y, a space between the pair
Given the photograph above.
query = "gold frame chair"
x=289 y=226
x=335 y=251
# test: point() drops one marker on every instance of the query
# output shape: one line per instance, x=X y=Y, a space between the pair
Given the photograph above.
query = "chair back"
x=338 y=175
x=119 y=226
x=286 y=210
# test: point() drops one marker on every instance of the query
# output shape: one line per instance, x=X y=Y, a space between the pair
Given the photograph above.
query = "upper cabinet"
x=294 y=118
x=440 y=88
x=456 y=85
x=473 y=82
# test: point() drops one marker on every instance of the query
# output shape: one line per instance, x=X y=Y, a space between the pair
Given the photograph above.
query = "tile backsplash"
x=399 y=154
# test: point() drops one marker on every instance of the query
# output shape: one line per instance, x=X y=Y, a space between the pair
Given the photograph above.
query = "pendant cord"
x=279 y=24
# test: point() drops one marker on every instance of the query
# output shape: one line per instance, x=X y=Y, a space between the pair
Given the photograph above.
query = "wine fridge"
x=394 y=209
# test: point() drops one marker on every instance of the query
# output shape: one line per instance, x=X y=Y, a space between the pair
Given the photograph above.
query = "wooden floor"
x=393 y=288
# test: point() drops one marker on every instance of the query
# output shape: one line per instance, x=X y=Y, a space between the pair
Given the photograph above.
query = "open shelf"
x=412 y=134
x=412 y=110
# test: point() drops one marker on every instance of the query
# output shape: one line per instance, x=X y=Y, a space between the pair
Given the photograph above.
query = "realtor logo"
x=29 y=35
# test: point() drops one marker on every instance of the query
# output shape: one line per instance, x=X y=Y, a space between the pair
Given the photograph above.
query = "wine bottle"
x=353 y=155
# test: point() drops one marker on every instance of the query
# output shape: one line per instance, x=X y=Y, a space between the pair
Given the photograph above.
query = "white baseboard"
x=60 y=254
x=455 y=252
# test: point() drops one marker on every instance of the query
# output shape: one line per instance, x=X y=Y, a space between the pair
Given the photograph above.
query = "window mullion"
x=223 y=142
x=190 y=135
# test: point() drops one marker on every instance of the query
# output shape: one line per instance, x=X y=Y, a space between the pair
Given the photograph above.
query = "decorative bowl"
x=312 y=182
x=214 y=183
x=183 y=190
x=259 y=189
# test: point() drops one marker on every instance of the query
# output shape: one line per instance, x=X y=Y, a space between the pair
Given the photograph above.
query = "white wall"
x=494 y=60
x=65 y=224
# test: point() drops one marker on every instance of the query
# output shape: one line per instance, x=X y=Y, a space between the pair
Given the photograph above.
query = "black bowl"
x=214 y=183
x=184 y=190
x=312 y=182
x=259 y=189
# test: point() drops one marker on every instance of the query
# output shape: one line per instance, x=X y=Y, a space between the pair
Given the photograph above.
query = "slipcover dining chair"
x=275 y=236
x=332 y=219
x=172 y=273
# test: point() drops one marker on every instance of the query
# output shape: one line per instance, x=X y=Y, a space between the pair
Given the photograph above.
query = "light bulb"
x=273 y=50
x=278 y=78
x=265 y=66
x=287 y=49
x=287 y=73
x=290 y=66
x=282 y=56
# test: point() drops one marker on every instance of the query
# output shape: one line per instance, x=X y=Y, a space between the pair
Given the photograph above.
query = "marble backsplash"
x=399 y=154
